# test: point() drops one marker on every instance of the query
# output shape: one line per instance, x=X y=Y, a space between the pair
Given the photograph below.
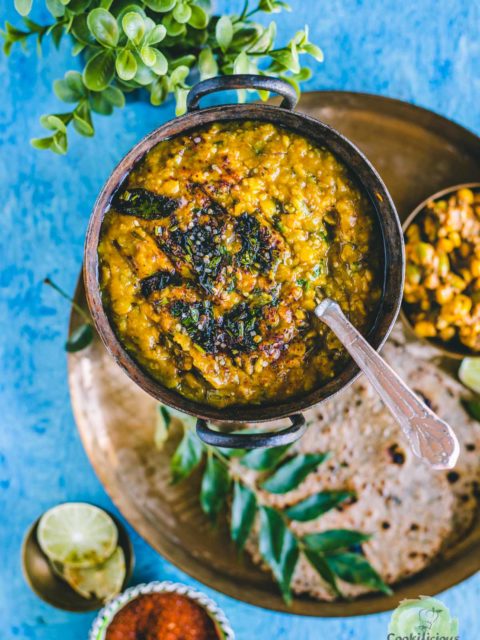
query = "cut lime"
x=469 y=373
x=104 y=581
x=77 y=534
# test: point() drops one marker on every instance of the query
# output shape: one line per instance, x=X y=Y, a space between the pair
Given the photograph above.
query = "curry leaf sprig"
x=82 y=336
x=334 y=554
x=154 y=45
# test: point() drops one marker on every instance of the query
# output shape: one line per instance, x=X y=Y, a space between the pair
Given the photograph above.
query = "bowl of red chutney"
x=161 y=611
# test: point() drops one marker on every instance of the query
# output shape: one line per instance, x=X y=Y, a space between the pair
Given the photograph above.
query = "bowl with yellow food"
x=441 y=302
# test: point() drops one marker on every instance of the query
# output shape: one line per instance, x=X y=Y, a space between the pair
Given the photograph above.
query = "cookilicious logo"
x=422 y=619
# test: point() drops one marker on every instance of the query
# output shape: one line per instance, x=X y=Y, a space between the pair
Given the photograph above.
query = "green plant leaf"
x=264 y=459
x=181 y=101
x=99 y=104
x=316 y=505
x=224 y=32
x=162 y=424
x=244 y=507
x=334 y=539
x=162 y=6
x=314 y=51
x=355 y=569
x=215 y=486
x=42 y=143
x=126 y=65
x=80 y=30
x=293 y=472
x=174 y=28
x=71 y=88
x=187 y=457
x=178 y=76
x=182 y=12
x=99 y=71
x=198 y=18
x=56 y=8
x=278 y=548
x=77 y=7
x=23 y=6
x=472 y=407
x=148 y=56
x=145 y=75
x=82 y=120
x=134 y=26
x=114 y=96
x=287 y=59
x=103 y=26
x=159 y=91
x=242 y=63
x=207 y=65
x=156 y=35
x=321 y=566
x=81 y=337
x=56 y=34
x=160 y=66
x=53 y=123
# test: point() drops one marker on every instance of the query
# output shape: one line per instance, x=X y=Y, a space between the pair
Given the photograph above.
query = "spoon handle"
x=430 y=438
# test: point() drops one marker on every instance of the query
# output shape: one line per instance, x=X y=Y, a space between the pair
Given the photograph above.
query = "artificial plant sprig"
x=334 y=554
x=155 y=46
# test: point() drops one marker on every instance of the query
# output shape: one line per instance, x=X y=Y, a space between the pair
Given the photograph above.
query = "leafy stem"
x=334 y=554
x=82 y=336
x=153 y=46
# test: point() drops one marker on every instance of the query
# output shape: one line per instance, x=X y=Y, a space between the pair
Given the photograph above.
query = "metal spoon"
x=431 y=439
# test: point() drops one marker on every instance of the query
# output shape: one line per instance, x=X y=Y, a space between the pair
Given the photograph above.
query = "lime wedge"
x=104 y=581
x=77 y=534
x=469 y=373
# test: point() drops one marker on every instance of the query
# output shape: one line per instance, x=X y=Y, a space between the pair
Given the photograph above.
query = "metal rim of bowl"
x=368 y=179
x=94 y=603
x=442 y=348
x=106 y=615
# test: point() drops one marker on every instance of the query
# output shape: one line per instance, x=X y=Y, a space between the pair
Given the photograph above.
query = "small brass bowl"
x=455 y=350
x=45 y=583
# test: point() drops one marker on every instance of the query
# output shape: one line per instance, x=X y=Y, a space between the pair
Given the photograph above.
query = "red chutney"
x=162 y=616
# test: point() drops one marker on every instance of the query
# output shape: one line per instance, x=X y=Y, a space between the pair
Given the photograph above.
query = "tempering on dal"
x=213 y=253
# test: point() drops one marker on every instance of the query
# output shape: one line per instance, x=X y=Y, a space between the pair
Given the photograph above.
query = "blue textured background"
x=427 y=52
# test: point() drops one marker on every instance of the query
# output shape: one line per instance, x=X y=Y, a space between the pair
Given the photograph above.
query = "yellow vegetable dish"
x=214 y=251
x=442 y=286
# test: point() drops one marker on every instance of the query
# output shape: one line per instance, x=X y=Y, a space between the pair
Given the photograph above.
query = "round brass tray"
x=417 y=153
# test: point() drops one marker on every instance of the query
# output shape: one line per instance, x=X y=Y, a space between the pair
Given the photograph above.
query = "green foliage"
x=316 y=505
x=473 y=408
x=154 y=45
x=333 y=554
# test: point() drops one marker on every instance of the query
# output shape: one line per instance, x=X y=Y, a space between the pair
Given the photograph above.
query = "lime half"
x=77 y=534
x=469 y=373
x=103 y=581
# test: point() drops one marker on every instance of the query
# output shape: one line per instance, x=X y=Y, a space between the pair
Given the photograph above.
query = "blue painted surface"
x=427 y=52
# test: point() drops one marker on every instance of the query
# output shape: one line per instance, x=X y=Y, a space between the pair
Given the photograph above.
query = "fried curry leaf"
x=321 y=566
x=334 y=540
x=472 y=407
x=293 y=472
x=158 y=281
x=355 y=569
x=264 y=459
x=80 y=338
x=244 y=507
x=279 y=548
x=215 y=487
x=316 y=505
x=258 y=247
x=144 y=204
x=187 y=457
x=198 y=321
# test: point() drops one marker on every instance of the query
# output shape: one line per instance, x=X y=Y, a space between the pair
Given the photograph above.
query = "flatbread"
x=408 y=507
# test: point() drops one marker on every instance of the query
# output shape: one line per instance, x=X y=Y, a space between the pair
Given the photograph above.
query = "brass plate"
x=417 y=153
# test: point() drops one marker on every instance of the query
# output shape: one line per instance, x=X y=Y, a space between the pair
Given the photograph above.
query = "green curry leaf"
x=244 y=507
x=80 y=338
x=187 y=456
x=316 y=505
x=264 y=459
x=473 y=408
x=334 y=539
x=279 y=548
x=292 y=472
x=215 y=487
x=355 y=569
x=321 y=566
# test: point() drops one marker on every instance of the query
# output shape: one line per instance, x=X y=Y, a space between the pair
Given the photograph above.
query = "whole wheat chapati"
x=408 y=507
